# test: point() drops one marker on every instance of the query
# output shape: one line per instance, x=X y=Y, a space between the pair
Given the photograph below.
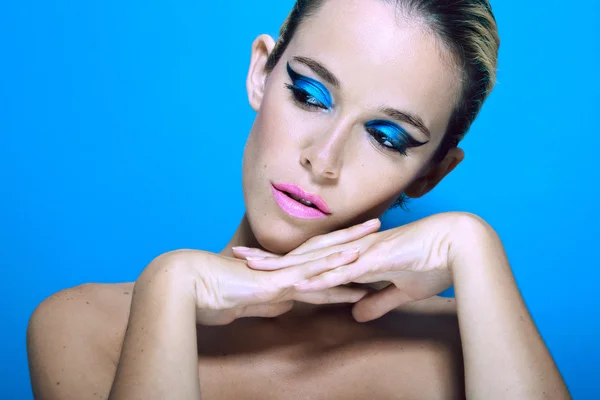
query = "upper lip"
x=299 y=192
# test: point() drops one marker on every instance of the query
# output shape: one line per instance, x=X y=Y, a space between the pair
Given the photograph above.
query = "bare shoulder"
x=74 y=339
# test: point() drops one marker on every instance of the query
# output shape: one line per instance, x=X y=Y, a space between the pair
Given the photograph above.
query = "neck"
x=243 y=236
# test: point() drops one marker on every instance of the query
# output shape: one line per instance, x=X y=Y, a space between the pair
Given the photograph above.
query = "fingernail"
x=372 y=222
x=240 y=248
x=255 y=258
x=350 y=252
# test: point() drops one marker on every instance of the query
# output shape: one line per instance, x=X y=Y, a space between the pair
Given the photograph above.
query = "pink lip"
x=296 y=208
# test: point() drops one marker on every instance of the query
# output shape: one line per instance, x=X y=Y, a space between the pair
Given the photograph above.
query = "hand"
x=320 y=242
x=226 y=289
x=415 y=258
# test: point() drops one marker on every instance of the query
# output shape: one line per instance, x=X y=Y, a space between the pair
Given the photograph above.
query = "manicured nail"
x=350 y=252
x=255 y=258
x=370 y=223
x=240 y=248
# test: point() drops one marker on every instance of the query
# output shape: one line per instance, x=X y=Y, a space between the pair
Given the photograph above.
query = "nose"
x=324 y=155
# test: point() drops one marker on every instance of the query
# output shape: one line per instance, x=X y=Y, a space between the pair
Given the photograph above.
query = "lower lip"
x=295 y=208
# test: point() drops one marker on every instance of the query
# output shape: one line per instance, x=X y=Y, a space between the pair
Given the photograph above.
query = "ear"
x=435 y=173
x=257 y=74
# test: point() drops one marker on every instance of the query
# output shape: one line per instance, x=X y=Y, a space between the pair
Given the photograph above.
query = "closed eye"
x=391 y=136
x=304 y=98
x=308 y=92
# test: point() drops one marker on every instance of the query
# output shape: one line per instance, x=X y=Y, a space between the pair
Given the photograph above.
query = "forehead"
x=382 y=58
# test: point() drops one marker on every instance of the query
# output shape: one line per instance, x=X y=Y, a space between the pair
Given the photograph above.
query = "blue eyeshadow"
x=392 y=132
x=313 y=88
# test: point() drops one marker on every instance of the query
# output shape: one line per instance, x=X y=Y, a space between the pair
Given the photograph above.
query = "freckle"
x=449 y=301
x=64 y=347
x=57 y=383
x=125 y=292
x=87 y=302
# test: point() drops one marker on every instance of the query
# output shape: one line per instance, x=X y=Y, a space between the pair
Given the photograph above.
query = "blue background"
x=112 y=143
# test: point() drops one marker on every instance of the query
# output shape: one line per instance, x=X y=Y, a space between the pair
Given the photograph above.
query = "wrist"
x=472 y=242
x=168 y=278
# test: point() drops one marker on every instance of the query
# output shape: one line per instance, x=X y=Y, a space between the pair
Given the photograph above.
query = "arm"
x=159 y=358
x=74 y=338
x=504 y=355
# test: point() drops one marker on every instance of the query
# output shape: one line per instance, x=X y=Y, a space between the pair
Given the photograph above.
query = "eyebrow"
x=319 y=69
x=407 y=117
x=398 y=115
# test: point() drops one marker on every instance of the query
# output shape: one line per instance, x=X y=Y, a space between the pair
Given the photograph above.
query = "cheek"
x=270 y=144
x=373 y=180
x=275 y=135
x=372 y=191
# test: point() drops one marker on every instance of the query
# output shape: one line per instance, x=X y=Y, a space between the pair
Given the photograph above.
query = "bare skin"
x=310 y=352
x=181 y=331
x=160 y=342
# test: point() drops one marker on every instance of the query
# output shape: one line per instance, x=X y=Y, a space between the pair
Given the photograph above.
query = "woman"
x=359 y=103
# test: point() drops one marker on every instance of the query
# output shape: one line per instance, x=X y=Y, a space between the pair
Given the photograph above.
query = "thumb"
x=376 y=305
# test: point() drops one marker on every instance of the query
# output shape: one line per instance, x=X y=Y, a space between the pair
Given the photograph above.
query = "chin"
x=277 y=236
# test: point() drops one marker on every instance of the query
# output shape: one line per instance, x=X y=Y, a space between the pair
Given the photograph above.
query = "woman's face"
x=353 y=113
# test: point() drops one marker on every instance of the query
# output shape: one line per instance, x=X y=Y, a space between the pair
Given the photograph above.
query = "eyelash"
x=381 y=137
x=301 y=96
x=297 y=94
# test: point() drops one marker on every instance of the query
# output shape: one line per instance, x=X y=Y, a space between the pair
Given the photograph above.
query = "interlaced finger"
x=339 y=276
x=289 y=276
x=338 y=237
x=278 y=263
